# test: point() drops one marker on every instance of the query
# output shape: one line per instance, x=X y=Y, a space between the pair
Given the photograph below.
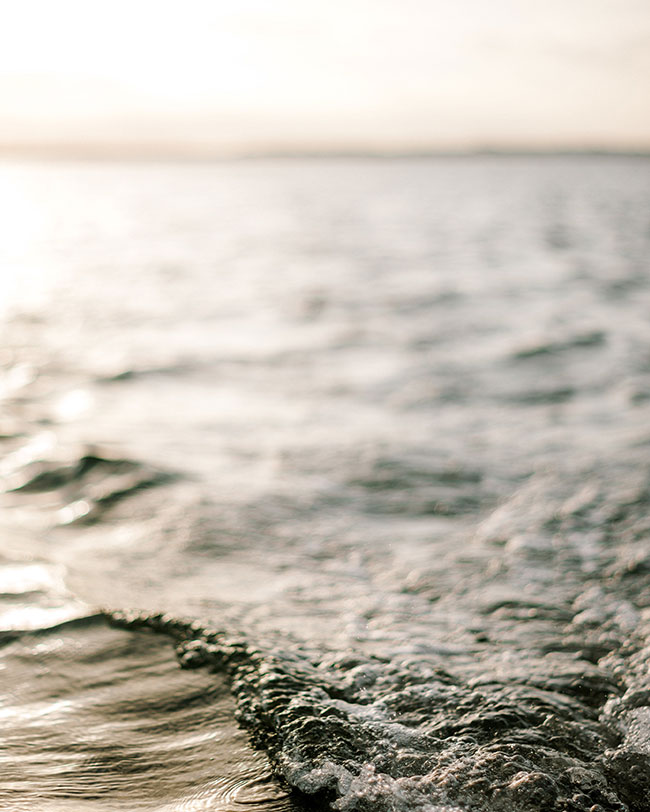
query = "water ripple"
x=98 y=719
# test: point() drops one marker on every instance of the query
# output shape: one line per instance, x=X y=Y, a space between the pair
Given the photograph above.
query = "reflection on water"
x=98 y=719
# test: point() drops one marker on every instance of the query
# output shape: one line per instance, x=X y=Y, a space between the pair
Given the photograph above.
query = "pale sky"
x=319 y=74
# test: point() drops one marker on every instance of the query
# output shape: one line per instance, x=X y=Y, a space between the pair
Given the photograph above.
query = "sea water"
x=368 y=443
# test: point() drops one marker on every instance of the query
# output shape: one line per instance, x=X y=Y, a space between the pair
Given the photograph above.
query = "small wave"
x=87 y=481
x=536 y=349
x=377 y=735
x=417 y=486
x=133 y=373
x=539 y=396
x=542 y=711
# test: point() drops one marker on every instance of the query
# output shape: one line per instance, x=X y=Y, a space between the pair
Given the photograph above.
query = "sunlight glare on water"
x=27 y=268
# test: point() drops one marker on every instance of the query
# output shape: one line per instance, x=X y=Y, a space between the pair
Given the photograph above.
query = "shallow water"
x=380 y=429
x=99 y=719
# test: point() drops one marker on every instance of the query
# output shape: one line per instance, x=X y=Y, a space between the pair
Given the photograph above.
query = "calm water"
x=382 y=429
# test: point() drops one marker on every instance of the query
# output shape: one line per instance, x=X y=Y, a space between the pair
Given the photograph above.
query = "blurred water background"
x=393 y=410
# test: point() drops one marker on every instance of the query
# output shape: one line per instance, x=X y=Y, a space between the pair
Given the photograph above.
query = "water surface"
x=377 y=432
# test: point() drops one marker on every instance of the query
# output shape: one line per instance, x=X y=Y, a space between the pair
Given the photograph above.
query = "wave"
x=87 y=480
x=543 y=704
x=365 y=733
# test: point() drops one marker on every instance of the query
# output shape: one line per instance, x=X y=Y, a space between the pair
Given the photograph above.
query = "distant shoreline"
x=145 y=153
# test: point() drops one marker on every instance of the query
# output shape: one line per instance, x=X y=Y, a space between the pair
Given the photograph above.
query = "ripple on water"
x=100 y=719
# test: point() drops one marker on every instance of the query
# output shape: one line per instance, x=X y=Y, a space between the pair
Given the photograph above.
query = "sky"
x=256 y=75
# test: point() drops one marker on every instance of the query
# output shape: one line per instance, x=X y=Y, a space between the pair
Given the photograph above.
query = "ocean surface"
x=325 y=484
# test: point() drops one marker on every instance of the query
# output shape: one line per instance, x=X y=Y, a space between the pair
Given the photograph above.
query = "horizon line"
x=186 y=153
